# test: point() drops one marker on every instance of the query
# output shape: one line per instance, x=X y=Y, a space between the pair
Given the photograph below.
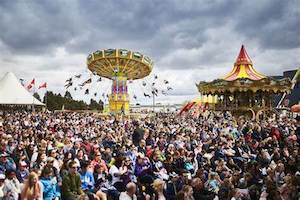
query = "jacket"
x=49 y=188
x=71 y=186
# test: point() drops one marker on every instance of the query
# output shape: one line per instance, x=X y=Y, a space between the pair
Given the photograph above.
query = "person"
x=49 y=184
x=138 y=135
x=99 y=161
x=71 y=184
x=129 y=194
x=227 y=165
x=87 y=178
x=6 y=163
x=2 y=179
x=32 y=189
x=22 y=172
x=116 y=171
x=158 y=186
x=188 y=192
x=12 y=187
x=199 y=192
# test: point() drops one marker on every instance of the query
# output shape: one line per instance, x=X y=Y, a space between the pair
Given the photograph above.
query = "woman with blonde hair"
x=32 y=189
x=158 y=186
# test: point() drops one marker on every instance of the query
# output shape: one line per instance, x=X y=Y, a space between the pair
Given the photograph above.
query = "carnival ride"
x=119 y=65
x=244 y=89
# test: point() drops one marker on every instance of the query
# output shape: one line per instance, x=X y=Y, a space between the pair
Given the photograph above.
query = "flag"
x=44 y=85
x=68 y=85
x=29 y=87
x=32 y=82
x=22 y=82
x=69 y=80
x=86 y=82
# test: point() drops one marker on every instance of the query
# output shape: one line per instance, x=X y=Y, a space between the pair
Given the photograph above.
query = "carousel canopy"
x=244 y=77
x=243 y=68
x=13 y=93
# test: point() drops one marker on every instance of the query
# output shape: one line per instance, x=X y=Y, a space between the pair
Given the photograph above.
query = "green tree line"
x=57 y=102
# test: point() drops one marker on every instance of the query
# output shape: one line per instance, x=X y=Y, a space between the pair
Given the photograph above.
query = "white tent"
x=13 y=93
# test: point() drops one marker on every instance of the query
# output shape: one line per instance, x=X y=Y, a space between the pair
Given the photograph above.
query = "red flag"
x=44 y=85
x=29 y=87
x=32 y=82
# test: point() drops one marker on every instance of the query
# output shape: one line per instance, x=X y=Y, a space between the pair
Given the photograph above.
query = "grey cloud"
x=200 y=38
x=274 y=23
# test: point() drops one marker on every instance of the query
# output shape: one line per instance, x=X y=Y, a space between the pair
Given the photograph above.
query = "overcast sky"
x=189 y=40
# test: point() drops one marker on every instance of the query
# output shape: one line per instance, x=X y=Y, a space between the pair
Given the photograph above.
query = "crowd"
x=68 y=155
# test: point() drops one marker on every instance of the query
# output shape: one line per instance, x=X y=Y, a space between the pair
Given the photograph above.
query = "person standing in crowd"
x=71 y=184
x=138 y=134
x=32 y=189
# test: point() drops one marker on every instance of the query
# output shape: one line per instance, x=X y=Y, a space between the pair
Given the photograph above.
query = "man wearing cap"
x=6 y=163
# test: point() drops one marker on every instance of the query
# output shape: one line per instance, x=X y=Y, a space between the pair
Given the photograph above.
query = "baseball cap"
x=2 y=176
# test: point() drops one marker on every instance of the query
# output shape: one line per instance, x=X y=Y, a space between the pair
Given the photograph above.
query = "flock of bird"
x=149 y=89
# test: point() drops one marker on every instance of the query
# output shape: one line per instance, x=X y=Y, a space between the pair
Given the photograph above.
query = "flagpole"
x=33 y=108
x=46 y=94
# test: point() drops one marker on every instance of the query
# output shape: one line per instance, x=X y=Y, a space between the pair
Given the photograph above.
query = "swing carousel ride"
x=119 y=65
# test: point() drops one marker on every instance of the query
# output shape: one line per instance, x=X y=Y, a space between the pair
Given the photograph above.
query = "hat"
x=2 y=176
x=60 y=145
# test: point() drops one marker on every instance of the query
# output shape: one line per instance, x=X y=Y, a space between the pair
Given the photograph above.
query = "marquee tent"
x=13 y=93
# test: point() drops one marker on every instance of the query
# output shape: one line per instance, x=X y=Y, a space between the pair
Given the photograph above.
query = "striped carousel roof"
x=243 y=68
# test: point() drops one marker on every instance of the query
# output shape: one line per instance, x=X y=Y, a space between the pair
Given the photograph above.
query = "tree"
x=94 y=105
x=101 y=105
x=37 y=96
x=68 y=95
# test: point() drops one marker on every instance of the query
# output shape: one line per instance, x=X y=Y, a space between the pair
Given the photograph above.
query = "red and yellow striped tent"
x=243 y=68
